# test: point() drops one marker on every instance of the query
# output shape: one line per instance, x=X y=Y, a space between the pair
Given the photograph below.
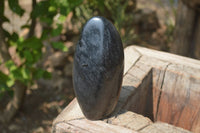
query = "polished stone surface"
x=98 y=68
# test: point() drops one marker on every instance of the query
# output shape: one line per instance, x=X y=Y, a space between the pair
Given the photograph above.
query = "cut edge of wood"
x=73 y=112
x=169 y=57
x=130 y=59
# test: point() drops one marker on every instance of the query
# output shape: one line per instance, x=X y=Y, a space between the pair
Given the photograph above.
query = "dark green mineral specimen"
x=98 y=68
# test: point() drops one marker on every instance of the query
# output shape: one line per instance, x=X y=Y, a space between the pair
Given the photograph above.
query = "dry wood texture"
x=157 y=86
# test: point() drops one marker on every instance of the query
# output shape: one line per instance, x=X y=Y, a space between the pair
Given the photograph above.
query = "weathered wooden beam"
x=157 y=86
x=186 y=32
x=159 y=127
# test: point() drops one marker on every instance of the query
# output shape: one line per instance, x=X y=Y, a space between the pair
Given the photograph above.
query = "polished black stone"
x=98 y=68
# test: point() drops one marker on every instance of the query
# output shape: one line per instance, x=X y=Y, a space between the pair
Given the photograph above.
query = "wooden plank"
x=126 y=122
x=130 y=59
x=179 y=102
x=168 y=57
x=130 y=120
x=158 y=73
x=72 y=111
x=87 y=126
x=63 y=127
x=160 y=127
x=137 y=100
x=99 y=126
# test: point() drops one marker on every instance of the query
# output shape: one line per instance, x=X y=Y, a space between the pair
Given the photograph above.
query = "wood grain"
x=179 y=102
x=87 y=126
x=157 y=86
x=129 y=120
x=99 y=126
x=130 y=59
x=160 y=127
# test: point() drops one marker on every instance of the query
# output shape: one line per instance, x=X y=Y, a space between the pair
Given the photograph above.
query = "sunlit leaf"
x=52 y=9
x=62 y=18
x=10 y=82
x=59 y=46
x=11 y=65
x=32 y=43
x=25 y=73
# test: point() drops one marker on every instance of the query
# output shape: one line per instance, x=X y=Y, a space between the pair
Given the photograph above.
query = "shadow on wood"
x=157 y=86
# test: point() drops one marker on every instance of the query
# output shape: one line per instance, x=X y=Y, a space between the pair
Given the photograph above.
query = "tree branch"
x=33 y=21
x=5 y=56
x=14 y=105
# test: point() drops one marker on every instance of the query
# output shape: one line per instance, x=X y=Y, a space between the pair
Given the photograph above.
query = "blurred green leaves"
x=40 y=73
x=119 y=12
x=15 y=7
x=52 y=14
x=41 y=9
x=3 y=78
x=57 y=31
x=59 y=46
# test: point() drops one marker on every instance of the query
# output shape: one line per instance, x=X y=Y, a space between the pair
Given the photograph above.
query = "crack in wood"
x=160 y=93
x=143 y=127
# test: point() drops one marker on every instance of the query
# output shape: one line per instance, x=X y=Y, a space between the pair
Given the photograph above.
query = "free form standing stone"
x=98 y=68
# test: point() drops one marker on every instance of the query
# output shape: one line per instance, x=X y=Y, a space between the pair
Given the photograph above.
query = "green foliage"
x=59 y=46
x=15 y=7
x=4 y=83
x=114 y=10
x=57 y=31
x=29 y=49
x=3 y=78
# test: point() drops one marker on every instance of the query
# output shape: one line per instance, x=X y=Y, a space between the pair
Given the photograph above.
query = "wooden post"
x=187 y=29
x=160 y=93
